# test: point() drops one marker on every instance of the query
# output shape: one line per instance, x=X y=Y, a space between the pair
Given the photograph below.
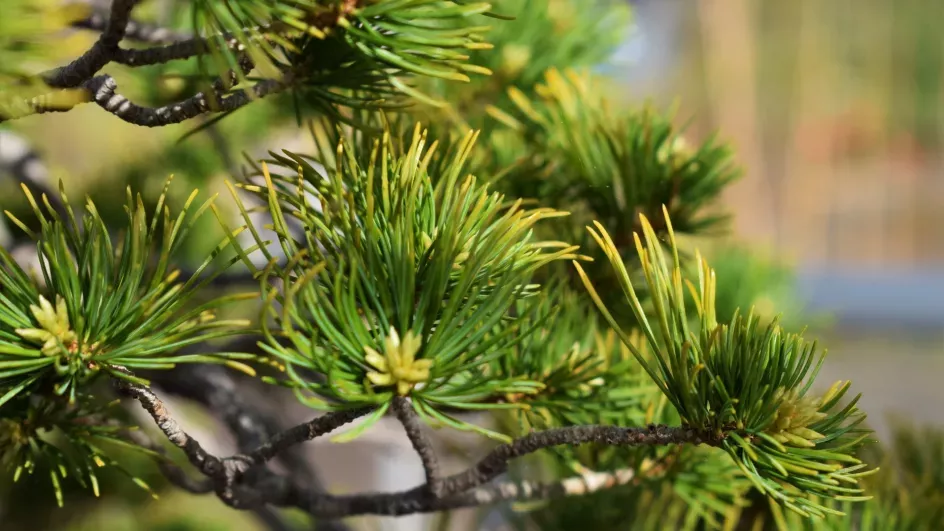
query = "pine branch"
x=520 y=491
x=305 y=432
x=100 y=54
x=182 y=49
x=205 y=485
x=104 y=93
x=103 y=90
x=420 y=501
x=216 y=389
x=496 y=462
x=378 y=46
x=134 y=31
x=205 y=462
x=421 y=443
x=460 y=490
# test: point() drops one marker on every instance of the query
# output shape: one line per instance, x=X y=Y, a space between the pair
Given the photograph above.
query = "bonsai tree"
x=477 y=230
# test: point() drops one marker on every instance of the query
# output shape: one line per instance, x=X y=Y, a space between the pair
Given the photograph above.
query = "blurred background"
x=836 y=112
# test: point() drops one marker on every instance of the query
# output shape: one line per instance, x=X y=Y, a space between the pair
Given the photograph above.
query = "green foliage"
x=62 y=439
x=397 y=286
x=346 y=53
x=615 y=164
x=102 y=307
x=394 y=272
x=592 y=378
x=566 y=352
x=748 y=279
x=29 y=43
x=543 y=34
x=746 y=385
x=907 y=490
x=97 y=307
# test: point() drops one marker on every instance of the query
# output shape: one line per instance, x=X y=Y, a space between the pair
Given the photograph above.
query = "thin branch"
x=242 y=491
x=99 y=55
x=305 y=432
x=184 y=49
x=103 y=89
x=171 y=471
x=496 y=462
x=104 y=93
x=410 y=503
x=205 y=462
x=407 y=416
x=134 y=31
x=587 y=483
x=215 y=388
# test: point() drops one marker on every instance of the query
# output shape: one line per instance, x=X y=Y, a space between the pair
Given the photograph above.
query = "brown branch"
x=171 y=471
x=305 y=432
x=184 y=49
x=104 y=93
x=496 y=462
x=134 y=31
x=103 y=89
x=277 y=492
x=407 y=416
x=206 y=463
x=584 y=484
x=216 y=389
x=465 y=489
x=99 y=55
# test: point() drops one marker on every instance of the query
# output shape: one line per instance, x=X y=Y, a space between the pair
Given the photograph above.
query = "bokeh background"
x=836 y=111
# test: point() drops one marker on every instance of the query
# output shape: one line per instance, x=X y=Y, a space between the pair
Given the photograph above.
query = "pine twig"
x=465 y=489
x=134 y=31
x=305 y=432
x=183 y=49
x=217 y=390
x=496 y=462
x=584 y=484
x=100 y=54
x=206 y=463
x=214 y=388
x=104 y=93
x=407 y=416
x=103 y=89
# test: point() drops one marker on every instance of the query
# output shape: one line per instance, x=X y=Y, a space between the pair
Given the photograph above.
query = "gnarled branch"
x=305 y=432
x=134 y=31
x=104 y=92
x=465 y=489
x=99 y=55
x=421 y=443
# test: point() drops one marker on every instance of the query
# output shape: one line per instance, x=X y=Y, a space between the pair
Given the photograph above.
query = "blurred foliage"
x=30 y=42
x=747 y=278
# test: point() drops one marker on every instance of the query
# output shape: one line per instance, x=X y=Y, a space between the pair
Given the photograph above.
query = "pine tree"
x=478 y=230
